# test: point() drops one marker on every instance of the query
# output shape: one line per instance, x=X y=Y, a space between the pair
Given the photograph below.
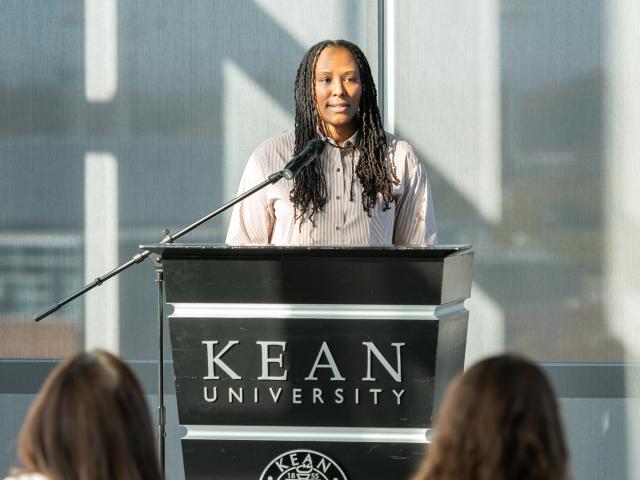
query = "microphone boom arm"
x=291 y=169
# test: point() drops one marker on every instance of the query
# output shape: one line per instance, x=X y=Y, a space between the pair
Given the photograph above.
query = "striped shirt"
x=269 y=217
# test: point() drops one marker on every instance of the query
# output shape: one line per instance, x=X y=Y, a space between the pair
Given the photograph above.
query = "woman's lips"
x=343 y=107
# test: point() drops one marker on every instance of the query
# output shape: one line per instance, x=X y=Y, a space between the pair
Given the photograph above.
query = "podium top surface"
x=318 y=275
x=270 y=251
x=315 y=275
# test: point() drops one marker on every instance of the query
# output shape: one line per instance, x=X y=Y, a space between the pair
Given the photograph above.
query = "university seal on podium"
x=303 y=465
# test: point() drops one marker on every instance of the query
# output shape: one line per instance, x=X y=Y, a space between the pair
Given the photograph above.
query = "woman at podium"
x=366 y=188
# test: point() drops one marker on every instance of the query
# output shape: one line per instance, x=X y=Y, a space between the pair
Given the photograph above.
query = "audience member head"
x=499 y=421
x=90 y=421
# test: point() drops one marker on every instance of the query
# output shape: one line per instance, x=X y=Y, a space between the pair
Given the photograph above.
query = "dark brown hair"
x=374 y=170
x=499 y=421
x=90 y=421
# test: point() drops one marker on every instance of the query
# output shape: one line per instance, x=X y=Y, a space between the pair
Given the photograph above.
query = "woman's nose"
x=338 y=87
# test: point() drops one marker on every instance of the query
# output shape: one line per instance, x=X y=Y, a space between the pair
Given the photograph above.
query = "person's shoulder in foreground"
x=27 y=476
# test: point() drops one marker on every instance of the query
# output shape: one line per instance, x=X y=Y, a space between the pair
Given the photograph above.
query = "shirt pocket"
x=381 y=223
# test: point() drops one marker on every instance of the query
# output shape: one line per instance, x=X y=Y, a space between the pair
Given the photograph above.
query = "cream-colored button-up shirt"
x=269 y=217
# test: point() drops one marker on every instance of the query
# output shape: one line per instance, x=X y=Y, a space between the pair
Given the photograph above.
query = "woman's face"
x=338 y=91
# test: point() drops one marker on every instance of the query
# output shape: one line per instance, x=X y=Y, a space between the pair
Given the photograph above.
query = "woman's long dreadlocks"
x=375 y=172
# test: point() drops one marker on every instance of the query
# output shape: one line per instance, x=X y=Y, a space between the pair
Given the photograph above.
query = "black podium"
x=312 y=363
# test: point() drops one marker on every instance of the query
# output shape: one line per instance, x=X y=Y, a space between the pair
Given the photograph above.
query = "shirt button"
x=338 y=197
x=337 y=227
x=337 y=169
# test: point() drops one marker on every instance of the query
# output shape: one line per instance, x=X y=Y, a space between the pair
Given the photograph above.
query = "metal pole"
x=161 y=413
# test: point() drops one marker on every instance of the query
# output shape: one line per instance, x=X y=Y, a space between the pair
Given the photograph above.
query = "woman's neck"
x=341 y=134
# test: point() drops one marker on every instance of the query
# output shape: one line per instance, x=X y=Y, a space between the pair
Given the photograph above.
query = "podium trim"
x=334 y=311
x=308 y=434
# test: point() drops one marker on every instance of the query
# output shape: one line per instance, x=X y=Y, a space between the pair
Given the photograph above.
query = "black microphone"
x=308 y=154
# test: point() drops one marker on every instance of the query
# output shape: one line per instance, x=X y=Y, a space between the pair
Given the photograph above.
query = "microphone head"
x=317 y=144
x=311 y=151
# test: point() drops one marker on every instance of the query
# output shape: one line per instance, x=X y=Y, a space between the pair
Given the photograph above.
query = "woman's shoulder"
x=401 y=150
x=283 y=142
x=272 y=153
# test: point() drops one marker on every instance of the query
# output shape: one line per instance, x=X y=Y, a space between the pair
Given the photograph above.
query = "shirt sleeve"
x=252 y=219
x=415 y=222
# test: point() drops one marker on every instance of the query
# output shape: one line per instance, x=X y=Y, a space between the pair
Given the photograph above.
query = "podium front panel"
x=307 y=371
x=294 y=363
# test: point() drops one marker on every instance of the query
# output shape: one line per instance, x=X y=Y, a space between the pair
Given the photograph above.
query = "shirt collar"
x=349 y=142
